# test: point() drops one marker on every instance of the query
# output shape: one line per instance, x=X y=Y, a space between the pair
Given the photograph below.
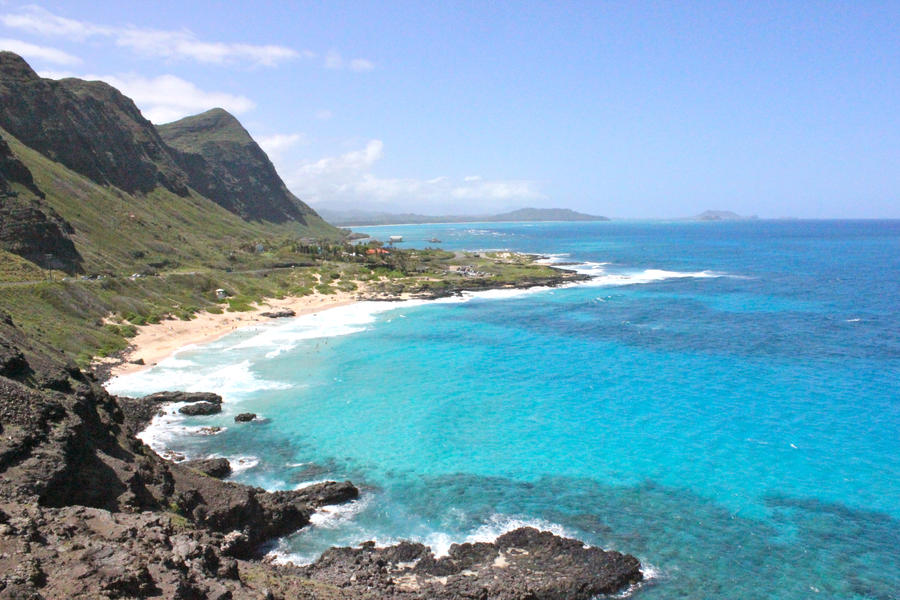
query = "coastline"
x=157 y=341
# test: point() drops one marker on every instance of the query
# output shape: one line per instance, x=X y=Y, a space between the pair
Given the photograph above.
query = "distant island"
x=363 y=217
x=721 y=215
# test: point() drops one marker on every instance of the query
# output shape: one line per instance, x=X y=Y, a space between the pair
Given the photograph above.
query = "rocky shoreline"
x=89 y=511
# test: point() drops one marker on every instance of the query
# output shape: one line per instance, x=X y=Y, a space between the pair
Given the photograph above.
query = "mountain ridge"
x=88 y=184
x=369 y=218
x=225 y=164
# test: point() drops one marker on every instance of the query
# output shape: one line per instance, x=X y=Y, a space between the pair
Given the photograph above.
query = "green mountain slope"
x=115 y=232
x=88 y=185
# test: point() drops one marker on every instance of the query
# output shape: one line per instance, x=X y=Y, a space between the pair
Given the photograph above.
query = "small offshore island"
x=111 y=231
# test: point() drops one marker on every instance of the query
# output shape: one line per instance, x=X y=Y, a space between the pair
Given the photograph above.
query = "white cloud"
x=334 y=60
x=169 y=44
x=348 y=180
x=34 y=19
x=279 y=142
x=167 y=97
x=35 y=52
x=361 y=64
x=184 y=44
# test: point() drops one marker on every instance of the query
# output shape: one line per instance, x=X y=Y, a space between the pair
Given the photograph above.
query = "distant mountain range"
x=363 y=217
x=721 y=215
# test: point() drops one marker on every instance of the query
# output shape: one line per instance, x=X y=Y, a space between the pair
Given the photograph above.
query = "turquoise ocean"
x=721 y=400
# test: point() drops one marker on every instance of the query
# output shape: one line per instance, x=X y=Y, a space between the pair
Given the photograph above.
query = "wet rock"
x=214 y=467
x=244 y=417
x=525 y=564
x=200 y=408
x=279 y=314
x=208 y=397
x=323 y=494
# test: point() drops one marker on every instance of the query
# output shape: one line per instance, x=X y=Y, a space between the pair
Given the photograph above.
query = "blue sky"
x=626 y=109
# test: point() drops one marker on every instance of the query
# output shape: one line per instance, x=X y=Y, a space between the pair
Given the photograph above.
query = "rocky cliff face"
x=99 y=134
x=88 y=511
x=224 y=164
x=88 y=126
x=28 y=226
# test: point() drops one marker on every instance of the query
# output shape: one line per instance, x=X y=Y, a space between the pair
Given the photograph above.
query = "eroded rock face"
x=88 y=126
x=522 y=564
x=200 y=408
x=214 y=467
x=28 y=226
x=244 y=417
x=183 y=397
x=224 y=164
x=88 y=511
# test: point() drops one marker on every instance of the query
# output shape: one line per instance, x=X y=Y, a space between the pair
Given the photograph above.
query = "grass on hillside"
x=116 y=232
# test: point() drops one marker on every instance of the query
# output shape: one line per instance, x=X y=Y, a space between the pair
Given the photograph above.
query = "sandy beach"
x=157 y=341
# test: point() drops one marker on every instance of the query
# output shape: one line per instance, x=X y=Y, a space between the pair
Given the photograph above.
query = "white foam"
x=497 y=525
x=307 y=484
x=650 y=573
x=161 y=431
x=239 y=464
x=601 y=278
x=332 y=517
x=231 y=381
x=549 y=259
x=173 y=362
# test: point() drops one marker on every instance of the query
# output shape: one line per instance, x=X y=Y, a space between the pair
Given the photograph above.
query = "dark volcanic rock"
x=224 y=506
x=88 y=511
x=279 y=314
x=325 y=493
x=138 y=412
x=224 y=164
x=29 y=227
x=184 y=397
x=88 y=126
x=12 y=361
x=214 y=467
x=12 y=170
x=244 y=417
x=200 y=408
x=522 y=564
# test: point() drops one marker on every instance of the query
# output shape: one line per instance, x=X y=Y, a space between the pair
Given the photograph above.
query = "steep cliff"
x=224 y=164
x=28 y=226
x=88 y=185
x=88 y=126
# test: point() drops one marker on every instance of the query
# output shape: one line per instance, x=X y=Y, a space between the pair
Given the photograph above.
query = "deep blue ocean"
x=722 y=401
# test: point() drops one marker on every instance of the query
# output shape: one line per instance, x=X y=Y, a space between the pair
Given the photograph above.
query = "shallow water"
x=721 y=401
